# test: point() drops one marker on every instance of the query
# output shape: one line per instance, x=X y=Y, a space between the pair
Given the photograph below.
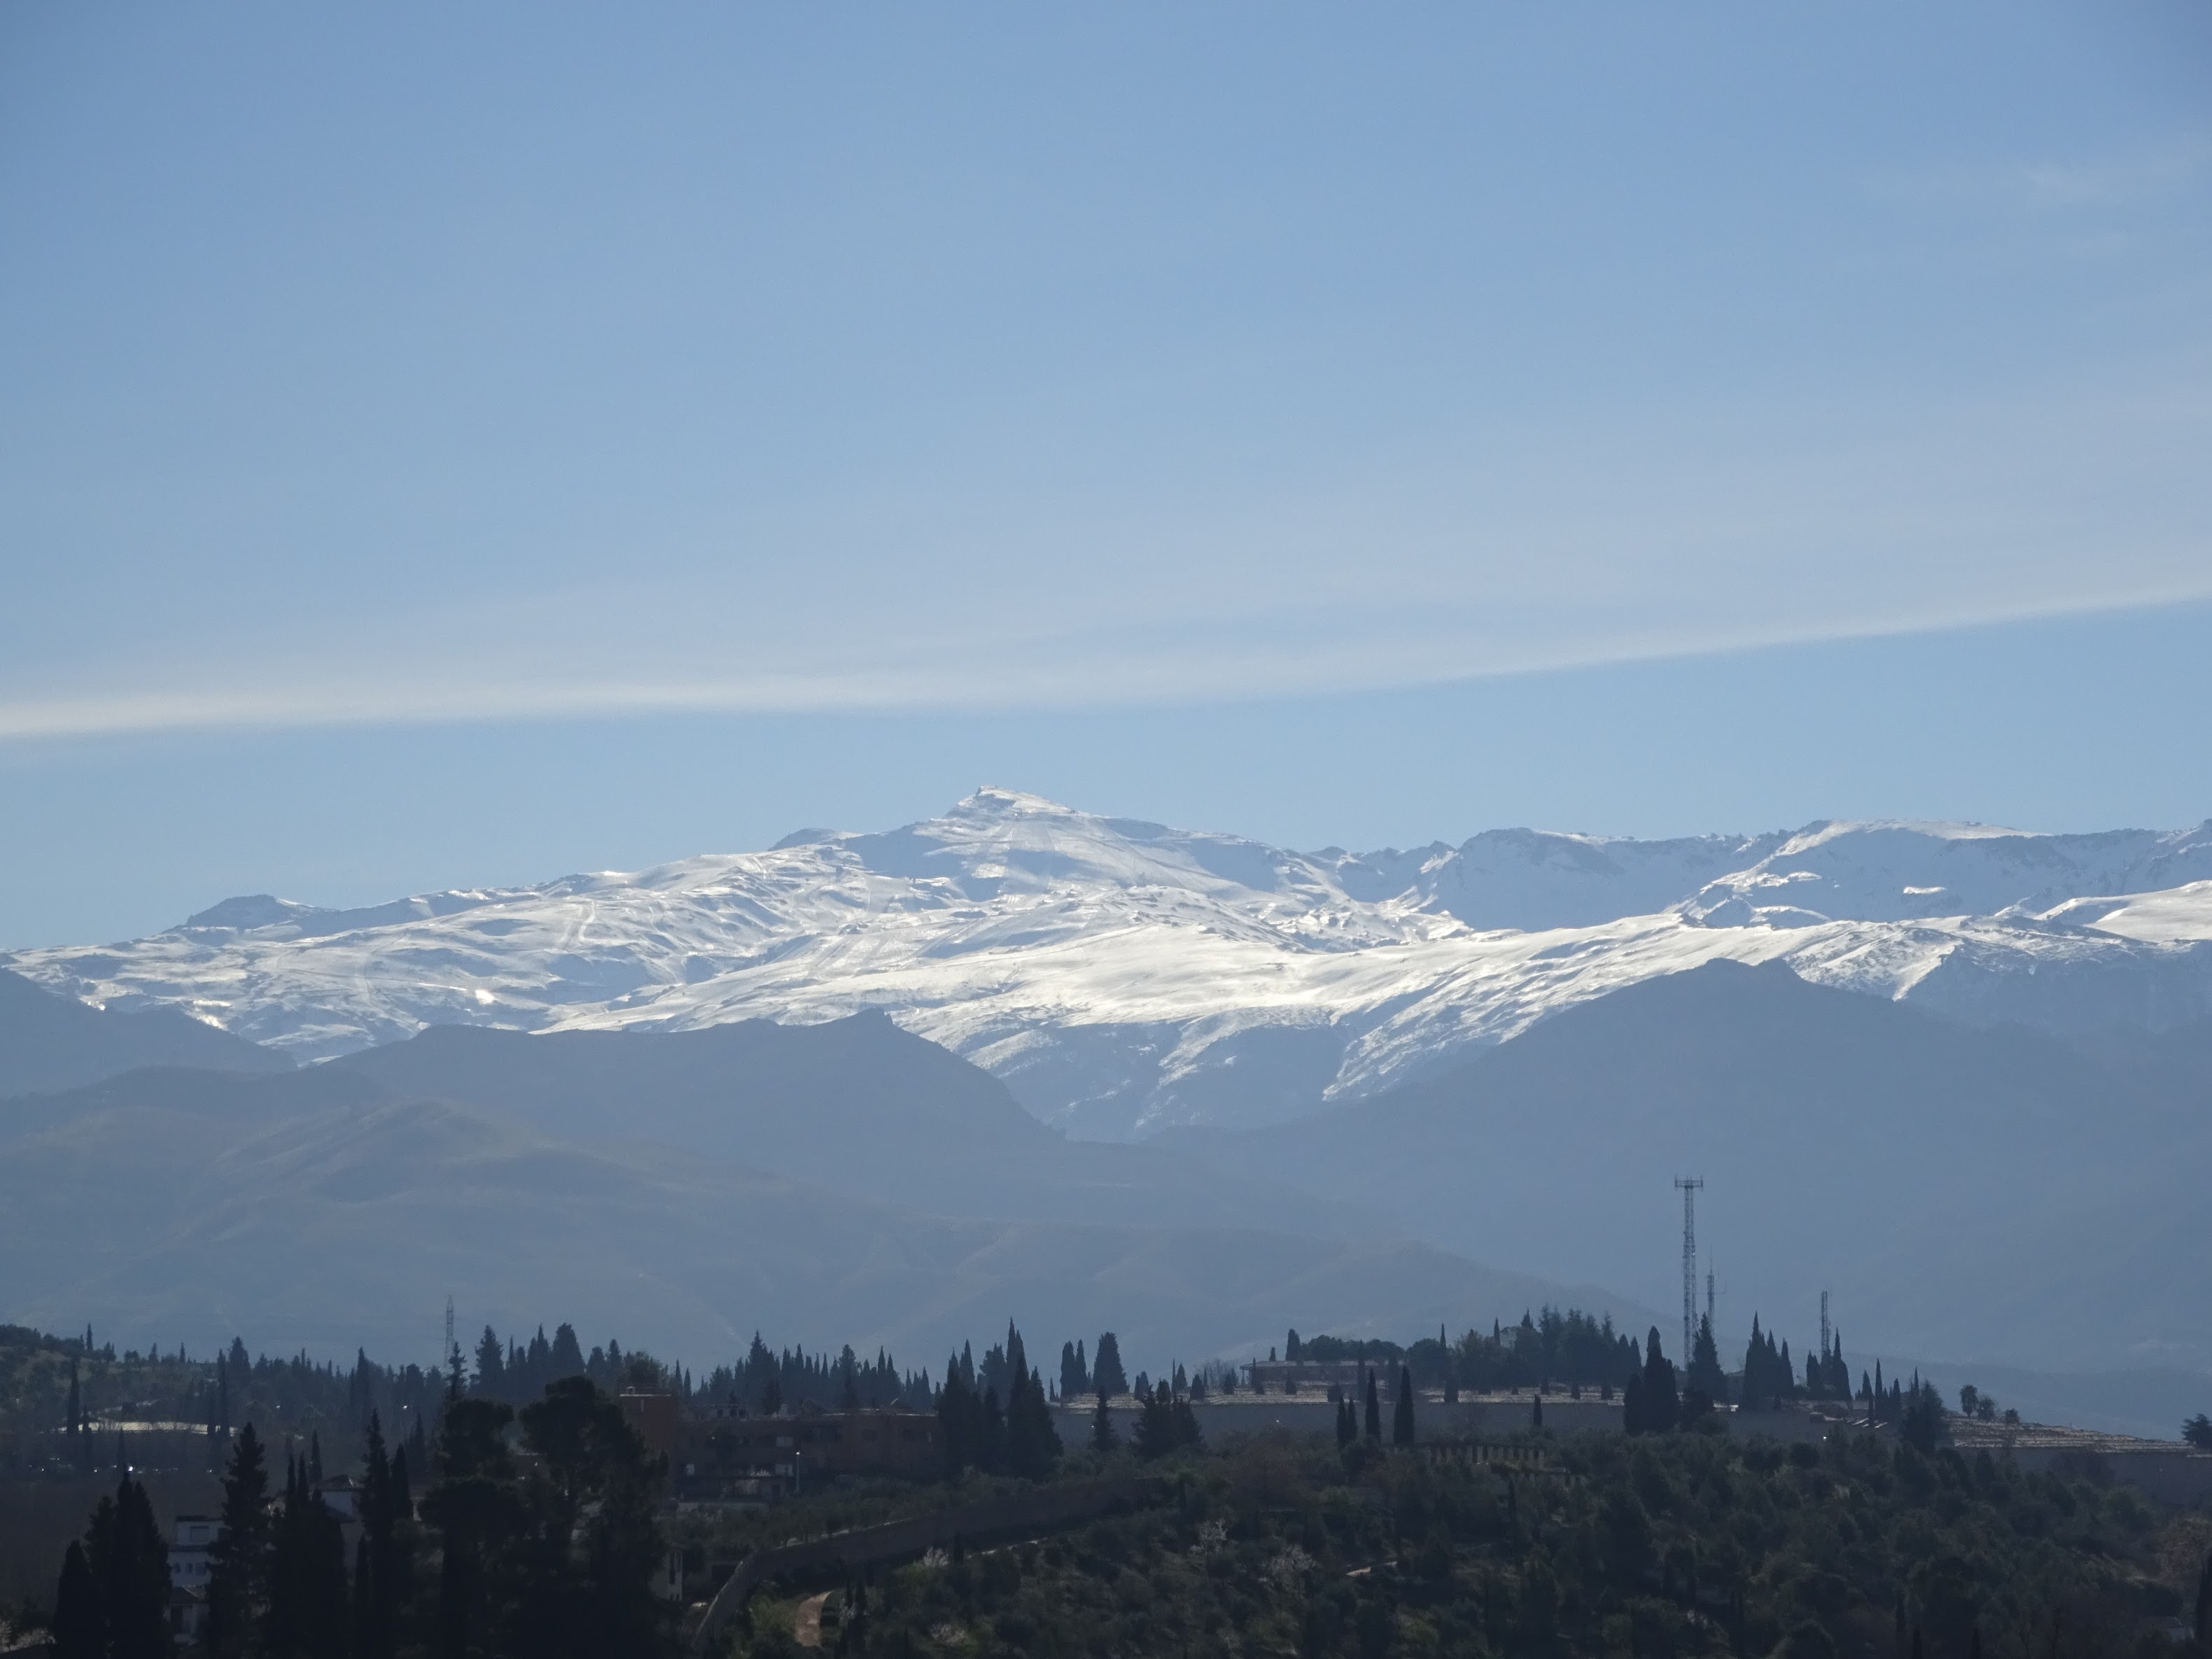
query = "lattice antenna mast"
x=1689 y=1184
x=1824 y=1327
x=447 y=1356
x=1709 y=1299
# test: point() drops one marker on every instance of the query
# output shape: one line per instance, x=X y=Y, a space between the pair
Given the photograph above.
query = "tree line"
x=536 y=1535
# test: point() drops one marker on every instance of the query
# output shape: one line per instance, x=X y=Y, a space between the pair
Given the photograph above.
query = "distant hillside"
x=855 y=1105
x=1990 y=1194
x=49 y=1042
x=325 y=1209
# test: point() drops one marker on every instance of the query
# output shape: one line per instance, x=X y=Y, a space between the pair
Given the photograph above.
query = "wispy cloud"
x=1664 y=534
x=1308 y=654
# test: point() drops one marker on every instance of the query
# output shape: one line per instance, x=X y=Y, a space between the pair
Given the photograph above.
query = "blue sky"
x=448 y=444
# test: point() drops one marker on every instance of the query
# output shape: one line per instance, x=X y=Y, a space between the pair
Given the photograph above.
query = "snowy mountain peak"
x=1121 y=974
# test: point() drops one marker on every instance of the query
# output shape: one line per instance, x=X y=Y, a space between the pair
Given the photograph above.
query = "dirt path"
x=806 y=1623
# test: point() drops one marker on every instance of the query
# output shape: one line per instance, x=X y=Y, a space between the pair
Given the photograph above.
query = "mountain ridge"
x=1985 y=1194
x=1121 y=975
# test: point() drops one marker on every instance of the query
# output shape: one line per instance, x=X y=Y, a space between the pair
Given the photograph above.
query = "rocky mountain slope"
x=1120 y=976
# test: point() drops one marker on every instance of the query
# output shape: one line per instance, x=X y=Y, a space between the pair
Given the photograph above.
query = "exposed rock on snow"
x=1121 y=975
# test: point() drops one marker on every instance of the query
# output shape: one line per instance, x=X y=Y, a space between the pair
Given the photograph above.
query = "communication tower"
x=1823 y=1326
x=1689 y=1184
x=447 y=1358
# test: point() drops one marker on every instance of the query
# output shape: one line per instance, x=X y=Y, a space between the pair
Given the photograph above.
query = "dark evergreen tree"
x=1107 y=1377
x=1402 y=1415
x=586 y=1544
x=307 y=1615
x=1373 y=1411
x=1348 y=1424
x=473 y=1511
x=491 y=1365
x=1074 y=1380
x=79 y=1630
x=1661 y=1401
x=1921 y=1420
x=238 y=1562
x=958 y=1410
x=376 y=1575
x=1631 y=1405
x=1103 y=1438
x=1706 y=1374
x=1165 y=1424
x=1032 y=1443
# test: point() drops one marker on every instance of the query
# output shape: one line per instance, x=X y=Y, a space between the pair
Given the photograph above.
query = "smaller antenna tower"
x=1824 y=1324
x=452 y=1347
x=1689 y=1184
x=1708 y=1297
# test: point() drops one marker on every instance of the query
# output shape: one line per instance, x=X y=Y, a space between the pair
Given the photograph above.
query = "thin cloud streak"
x=1059 y=674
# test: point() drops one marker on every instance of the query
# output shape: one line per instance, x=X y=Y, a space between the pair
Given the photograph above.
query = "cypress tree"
x=1107 y=1377
x=1102 y=1427
x=1401 y=1415
x=237 y=1566
x=1373 y=1411
x=1348 y=1424
x=472 y=1513
x=1662 y=1403
x=1032 y=1443
x=375 y=1576
x=1706 y=1363
x=130 y=1573
x=79 y=1630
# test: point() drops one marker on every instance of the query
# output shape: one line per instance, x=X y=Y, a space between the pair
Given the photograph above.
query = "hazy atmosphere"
x=1468 y=743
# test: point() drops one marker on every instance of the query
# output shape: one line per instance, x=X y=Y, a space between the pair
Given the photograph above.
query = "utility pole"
x=1689 y=1184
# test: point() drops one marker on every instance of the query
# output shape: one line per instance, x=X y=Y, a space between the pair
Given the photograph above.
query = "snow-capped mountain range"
x=1121 y=976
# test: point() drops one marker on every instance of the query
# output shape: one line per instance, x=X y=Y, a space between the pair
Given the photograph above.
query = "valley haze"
x=1950 y=1073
